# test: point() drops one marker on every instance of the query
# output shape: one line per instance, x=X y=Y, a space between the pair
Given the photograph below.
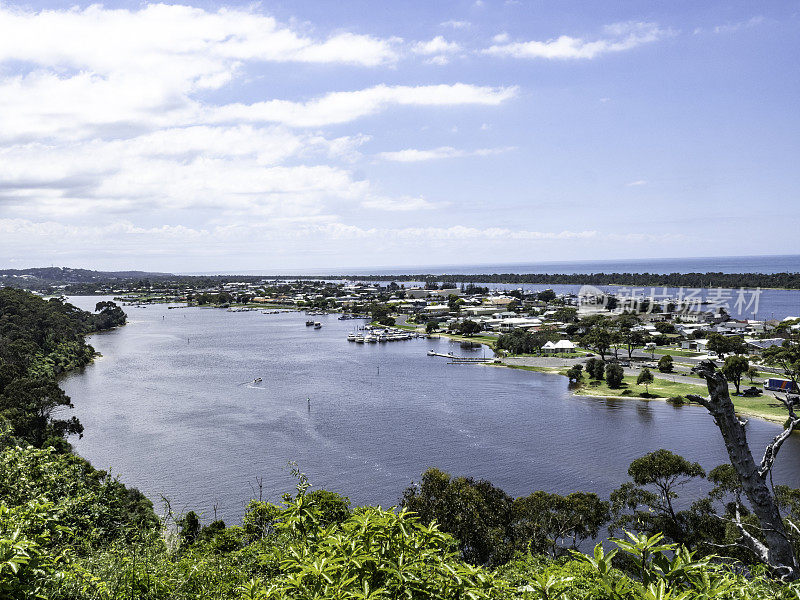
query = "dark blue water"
x=165 y=408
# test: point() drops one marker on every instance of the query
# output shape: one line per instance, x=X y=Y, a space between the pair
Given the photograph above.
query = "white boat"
x=370 y=339
x=317 y=325
x=359 y=339
x=431 y=353
x=351 y=337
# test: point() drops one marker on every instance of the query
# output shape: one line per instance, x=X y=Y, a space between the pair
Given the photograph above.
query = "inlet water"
x=168 y=408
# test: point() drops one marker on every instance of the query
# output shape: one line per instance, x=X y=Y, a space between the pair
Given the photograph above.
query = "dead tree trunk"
x=776 y=550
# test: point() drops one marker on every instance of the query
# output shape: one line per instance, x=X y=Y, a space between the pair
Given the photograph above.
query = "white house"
x=559 y=346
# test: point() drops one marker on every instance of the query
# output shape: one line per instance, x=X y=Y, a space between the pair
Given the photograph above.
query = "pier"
x=462 y=360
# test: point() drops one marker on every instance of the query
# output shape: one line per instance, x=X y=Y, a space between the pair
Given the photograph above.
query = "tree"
x=29 y=405
x=598 y=339
x=735 y=366
x=752 y=373
x=332 y=507
x=664 y=327
x=787 y=357
x=636 y=506
x=725 y=344
x=431 y=326
x=476 y=513
x=615 y=374
x=776 y=549
x=665 y=363
x=454 y=302
x=544 y=522
x=595 y=368
x=625 y=325
x=520 y=341
x=189 y=526
x=546 y=296
x=645 y=378
x=575 y=373
x=109 y=315
x=468 y=327
x=565 y=314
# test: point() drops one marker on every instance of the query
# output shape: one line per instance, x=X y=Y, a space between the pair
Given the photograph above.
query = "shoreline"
x=743 y=412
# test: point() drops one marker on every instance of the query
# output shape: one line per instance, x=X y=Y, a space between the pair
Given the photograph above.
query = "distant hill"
x=46 y=277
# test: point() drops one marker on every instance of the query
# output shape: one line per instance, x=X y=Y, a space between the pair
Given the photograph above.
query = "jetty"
x=462 y=360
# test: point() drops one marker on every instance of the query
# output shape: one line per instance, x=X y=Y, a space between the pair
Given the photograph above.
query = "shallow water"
x=168 y=408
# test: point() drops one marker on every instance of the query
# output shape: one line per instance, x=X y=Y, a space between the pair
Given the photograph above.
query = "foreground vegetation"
x=69 y=532
x=66 y=535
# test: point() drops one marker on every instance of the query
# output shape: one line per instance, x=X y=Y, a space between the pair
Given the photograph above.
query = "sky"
x=225 y=136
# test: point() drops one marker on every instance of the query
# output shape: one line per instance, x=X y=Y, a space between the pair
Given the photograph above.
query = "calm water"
x=167 y=410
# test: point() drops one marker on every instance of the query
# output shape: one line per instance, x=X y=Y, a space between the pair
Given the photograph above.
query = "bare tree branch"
x=776 y=550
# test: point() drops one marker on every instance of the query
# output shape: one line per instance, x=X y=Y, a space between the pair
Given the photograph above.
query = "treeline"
x=39 y=340
x=67 y=534
x=676 y=280
x=81 y=281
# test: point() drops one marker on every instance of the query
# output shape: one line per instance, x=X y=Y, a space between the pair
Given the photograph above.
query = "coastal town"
x=647 y=344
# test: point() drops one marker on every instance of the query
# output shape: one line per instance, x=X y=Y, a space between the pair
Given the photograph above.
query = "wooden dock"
x=462 y=360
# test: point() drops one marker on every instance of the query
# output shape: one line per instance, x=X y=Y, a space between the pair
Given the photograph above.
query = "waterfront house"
x=559 y=346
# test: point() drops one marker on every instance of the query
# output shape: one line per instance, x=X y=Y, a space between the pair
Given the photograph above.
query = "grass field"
x=765 y=407
x=675 y=352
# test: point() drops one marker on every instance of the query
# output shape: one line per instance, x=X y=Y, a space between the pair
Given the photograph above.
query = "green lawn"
x=660 y=388
x=478 y=339
x=766 y=407
x=674 y=352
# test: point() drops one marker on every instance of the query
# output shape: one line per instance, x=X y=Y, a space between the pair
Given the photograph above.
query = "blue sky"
x=298 y=135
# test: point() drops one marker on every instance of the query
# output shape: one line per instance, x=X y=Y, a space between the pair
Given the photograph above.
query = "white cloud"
x=619 y=37
x=112 y=121
x=501 y=38
x=733 y=27
x=437 y=45
x=439 y=60
x=341 y=107
x=457 y=24
x=401 y=204
x=456 y=232
x=414 y=155
x=231 y=170
x=160 y=37
x=637 y=183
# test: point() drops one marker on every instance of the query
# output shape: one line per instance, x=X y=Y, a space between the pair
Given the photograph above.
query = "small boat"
x=317 y=325
x=309 y=323
x=431 y=353
x=257 y=380
x=359 y=339
x=371 y=339
x=351 y=337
